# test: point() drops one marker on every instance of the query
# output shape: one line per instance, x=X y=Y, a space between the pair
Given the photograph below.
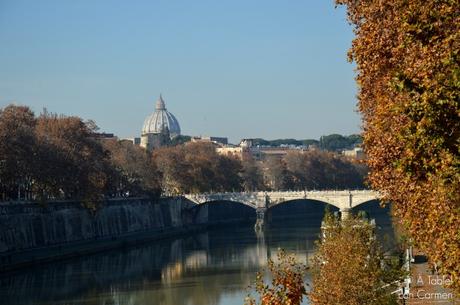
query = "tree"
x=59 y=157
x=135 y=173
x=17 y=149
x=353 y=275
x=316 y=169
x=71 y=161
x=179 y=140
x=276 y=174
x=252 y=176
x=336 y=142
x=196 y=168
x=407 y=54
x=287 y=285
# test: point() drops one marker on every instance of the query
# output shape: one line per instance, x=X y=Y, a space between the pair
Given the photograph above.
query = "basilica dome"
x=161 y=119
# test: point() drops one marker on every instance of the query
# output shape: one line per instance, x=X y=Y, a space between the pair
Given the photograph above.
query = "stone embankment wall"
x=31 y=233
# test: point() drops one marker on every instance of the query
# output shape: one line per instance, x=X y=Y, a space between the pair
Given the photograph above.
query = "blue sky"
x=236 y=68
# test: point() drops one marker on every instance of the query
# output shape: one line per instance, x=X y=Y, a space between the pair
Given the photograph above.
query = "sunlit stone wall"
x=29 y=226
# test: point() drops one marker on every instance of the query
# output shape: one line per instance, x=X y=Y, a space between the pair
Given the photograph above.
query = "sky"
x=233 y=68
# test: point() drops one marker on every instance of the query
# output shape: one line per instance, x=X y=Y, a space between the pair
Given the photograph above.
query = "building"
x=103 y=136
x=216 y=140
x=247 y=150
x=135 y=141
x=159 y=127
x=244 y=151
x=355 y=153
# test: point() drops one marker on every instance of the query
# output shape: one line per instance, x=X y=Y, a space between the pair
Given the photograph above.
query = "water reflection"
x=213 y=267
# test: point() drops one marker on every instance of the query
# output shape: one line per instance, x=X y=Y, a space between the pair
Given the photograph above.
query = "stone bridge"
x=261 y=201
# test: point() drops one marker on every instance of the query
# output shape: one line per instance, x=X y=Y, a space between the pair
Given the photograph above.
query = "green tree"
x=336 y=142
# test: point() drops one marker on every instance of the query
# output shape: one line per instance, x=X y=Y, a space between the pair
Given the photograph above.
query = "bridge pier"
x=345 y=200
x=260 y=219
x=345 y=213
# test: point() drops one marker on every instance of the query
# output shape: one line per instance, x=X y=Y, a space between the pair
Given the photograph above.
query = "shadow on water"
x=213 y=267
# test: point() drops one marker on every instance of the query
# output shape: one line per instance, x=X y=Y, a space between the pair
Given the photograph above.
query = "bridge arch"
x=215 y=212
x=305 y=202
x=307 y=211
x=344 y=200
x=382 y=215
x=368 y=203
x=221 y=201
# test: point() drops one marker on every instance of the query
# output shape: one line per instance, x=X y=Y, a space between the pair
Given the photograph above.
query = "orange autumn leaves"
x=287 y=284
x=408 y=62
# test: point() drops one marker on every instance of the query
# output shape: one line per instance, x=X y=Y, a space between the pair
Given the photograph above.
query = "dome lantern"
x=160 y=120
x=160 y=105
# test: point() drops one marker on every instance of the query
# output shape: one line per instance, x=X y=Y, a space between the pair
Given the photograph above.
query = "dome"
x=160 y=119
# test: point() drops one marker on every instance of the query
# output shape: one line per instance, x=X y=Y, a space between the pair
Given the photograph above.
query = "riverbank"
x=31 y=233
x=427 y=286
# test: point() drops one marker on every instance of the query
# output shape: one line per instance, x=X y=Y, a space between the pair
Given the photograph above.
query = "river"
x=214 y=267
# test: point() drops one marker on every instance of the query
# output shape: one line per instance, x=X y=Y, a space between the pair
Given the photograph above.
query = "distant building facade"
x=159 y=127
x=103 y=136
x=136 y=141
x=355 y=153
x=247 y=150
x=215 y=140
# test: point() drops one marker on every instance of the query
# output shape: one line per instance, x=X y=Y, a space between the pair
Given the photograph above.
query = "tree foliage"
x=287 y=285
x=52 y=157
x=70 y=162
x=313 y=169
x=336 y=142
x=333 y=142
x=407 y=54
x=348 y=266
x=17 y=141
x=196 y=168
x=135 y=172
x=252 y=176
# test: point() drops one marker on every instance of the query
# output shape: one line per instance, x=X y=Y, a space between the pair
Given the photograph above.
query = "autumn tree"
x=135 y=173
x=17 y=149
x=277 y=176
x=407 y=54
x=252 y=175
x=50 y=157
x=314 y=169
x=287 y=285
x=196 y=168
x=72 y=162
x=349 y=267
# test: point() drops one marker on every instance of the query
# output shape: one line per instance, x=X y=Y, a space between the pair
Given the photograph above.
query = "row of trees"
x=59 y=157
x=333 y=142
x=313 y=170
x=198 y=168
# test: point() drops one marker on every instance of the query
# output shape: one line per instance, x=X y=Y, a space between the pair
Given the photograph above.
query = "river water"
x=214 y=267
